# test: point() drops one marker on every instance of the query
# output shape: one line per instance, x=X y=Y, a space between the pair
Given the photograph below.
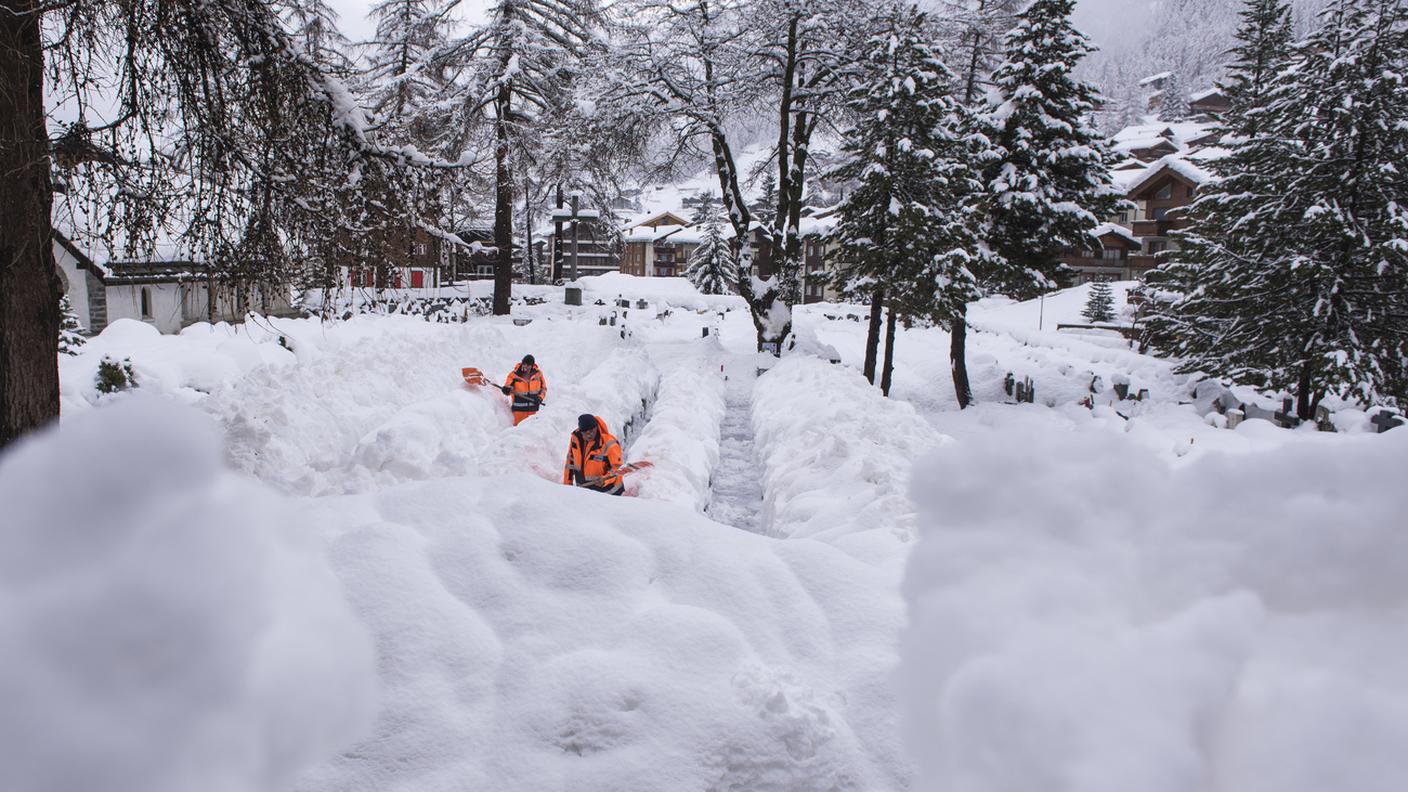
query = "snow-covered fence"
x=682 y=438
x=836 y=454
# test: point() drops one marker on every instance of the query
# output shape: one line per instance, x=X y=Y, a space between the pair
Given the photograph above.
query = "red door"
x=417 y=279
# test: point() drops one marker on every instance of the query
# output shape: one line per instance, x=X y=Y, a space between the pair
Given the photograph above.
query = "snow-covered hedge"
x=165 y=625
x=682 y=438
x=836 y=453
x=1119 y=621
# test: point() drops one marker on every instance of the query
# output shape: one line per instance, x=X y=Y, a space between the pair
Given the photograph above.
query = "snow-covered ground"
x=1123 y=597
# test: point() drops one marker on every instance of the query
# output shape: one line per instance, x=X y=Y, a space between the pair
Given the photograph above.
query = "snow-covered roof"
x=1138 y=144
x=1203 y=94
x=654 y=216
x=1174 y=163
x=1180 y=133
x=1115 y=228
x=1153 y=78
x=818 y=226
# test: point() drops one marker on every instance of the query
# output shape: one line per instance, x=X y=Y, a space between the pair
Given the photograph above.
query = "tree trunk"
x=889 y=371
x=557 y=241
x=958 y=358
x=503 y=206
x=29 y=281
x=872 y=336
x=1306 y=401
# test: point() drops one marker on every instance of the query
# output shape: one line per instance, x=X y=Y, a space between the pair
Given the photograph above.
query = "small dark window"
x=1158 y=245
x=1165 y=192
x=146 y=300
x=1160 y=213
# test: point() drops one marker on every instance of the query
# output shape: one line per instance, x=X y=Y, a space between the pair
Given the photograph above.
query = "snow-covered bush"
x=114 y=376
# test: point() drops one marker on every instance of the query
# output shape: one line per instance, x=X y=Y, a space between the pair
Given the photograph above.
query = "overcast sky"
x=1102 y=20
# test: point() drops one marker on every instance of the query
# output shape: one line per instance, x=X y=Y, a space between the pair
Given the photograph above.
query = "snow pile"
x=186 y=366
x=682 y=438
x=678 y=292
x=1116 y=622
x=836 y=453
x=537 y=637
x=164 y=625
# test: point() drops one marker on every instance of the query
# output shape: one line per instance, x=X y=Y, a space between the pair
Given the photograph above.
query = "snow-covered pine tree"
x=1262 y=46
x=1294 y=275
x=1051 y=184
x=70 y=330
x=1100 y=305
x=1174 y=104
x=907 y=230
x=711 y=267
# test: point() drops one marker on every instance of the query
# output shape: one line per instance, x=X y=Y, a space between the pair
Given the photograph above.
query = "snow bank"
x=675 y=291
x=164 y=625
x=540 y=637
x=836 y=453
x=1087 y=616
x=682 y=438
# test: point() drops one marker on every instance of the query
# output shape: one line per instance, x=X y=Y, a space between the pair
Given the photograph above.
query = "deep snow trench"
x=736 y=490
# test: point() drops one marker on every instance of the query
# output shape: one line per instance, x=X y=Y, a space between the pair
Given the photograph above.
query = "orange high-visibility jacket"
x=595 y=465
x=530 y=388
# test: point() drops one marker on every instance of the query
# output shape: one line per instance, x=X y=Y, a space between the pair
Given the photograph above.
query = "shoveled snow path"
x=736 y=496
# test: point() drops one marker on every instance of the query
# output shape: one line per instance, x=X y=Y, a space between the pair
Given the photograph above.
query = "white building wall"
x=75 y=284
x=164 y=303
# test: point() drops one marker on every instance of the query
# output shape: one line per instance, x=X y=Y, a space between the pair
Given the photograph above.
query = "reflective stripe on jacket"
x=530 y=390
x=594 y=465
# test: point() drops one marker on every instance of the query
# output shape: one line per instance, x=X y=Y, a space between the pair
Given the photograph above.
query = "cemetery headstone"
x=1384 y=420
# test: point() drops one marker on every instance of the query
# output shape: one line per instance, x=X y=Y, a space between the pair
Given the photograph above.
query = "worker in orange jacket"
x=528 y=388
x=593 y=458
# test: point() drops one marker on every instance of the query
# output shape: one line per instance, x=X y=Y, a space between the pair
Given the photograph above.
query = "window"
x=1158 y=245
x=1165 y=192
x=146 y=300
x=1112 y=255
x=1124 y=218
x=1161 y=213
x=420 y=248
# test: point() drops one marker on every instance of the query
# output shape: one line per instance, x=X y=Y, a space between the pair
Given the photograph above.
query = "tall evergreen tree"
x=1051 y=184
x=1174 y=104
x=1294 y=275
x=907 y=228
x=711 y=267
x=1100 y=304
x=1262 y=47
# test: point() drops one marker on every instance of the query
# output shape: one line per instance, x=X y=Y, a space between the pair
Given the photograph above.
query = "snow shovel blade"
x=474 y=376
x=635 y=466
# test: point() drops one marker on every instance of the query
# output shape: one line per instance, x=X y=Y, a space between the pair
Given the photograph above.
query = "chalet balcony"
x=1095 y=262
x=1158 y=228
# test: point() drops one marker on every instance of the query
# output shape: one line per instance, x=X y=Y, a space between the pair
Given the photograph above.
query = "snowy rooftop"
x=1117 y=229
x=1175 y=163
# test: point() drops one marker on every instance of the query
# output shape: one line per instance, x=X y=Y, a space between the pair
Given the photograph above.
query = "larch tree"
x=1312 y=296
x=206 y=118
x=517 y=72
x=706 y=64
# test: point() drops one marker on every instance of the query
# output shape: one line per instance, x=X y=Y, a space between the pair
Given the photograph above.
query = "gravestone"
x=574 y=295
x=1235 y=418
x=1323 y=419
x=1284 y=417
x=1122 y=390
x=1008 y=383
x=1384 y=420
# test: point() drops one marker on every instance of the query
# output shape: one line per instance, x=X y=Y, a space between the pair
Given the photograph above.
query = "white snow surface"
x=1124 y=597
x=165 y=625
x=1128 y=622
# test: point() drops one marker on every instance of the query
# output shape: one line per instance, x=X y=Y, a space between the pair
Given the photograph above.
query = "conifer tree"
x=1051 y=184
x=1100 y=305
x=711 y=267
x=1294 y=275
x=907 y=228
x=1263 y=44
x=70 y=330
x=1174 y=105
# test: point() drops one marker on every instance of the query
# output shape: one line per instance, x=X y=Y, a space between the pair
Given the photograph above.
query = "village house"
x=167 y=294
x=599 y=250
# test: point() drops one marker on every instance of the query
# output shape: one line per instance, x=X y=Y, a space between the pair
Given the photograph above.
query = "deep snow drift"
x=1124 y=597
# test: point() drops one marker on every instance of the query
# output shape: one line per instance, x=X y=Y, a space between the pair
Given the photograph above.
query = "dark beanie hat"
x=528 y=360
x=586 y=422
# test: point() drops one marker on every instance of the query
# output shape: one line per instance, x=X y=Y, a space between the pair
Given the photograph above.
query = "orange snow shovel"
x=632 y=467
x=475 y=377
